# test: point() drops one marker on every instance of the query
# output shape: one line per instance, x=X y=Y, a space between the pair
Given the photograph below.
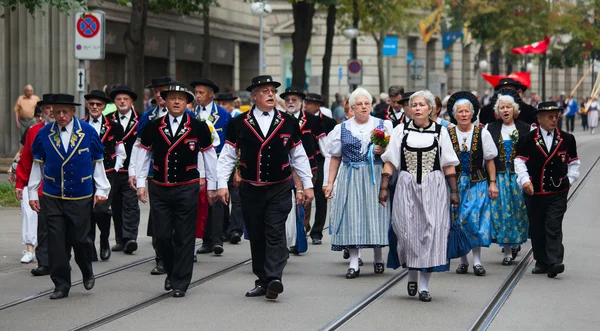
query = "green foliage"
x=33 y=5
x=7 y=196
x=184 y=7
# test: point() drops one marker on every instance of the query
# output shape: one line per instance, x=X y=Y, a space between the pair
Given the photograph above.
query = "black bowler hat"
x=225 y=97
x=314 y=97
x=406 y=96
x=505 y=82
x=548 y=106
x=293 y=90
x=205 y=82
x=46 y=98
x=63 y=99
x=97 y=94
x=160 y=81
x=464 y=95
x=262 y=80
x=123 y=89
x=178 y=87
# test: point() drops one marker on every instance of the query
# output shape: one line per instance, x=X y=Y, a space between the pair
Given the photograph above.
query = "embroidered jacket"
x=477 y=172
x=129 y=135
x=311 y=130
x=495 y=129
x=111 y=135
x=220 y=118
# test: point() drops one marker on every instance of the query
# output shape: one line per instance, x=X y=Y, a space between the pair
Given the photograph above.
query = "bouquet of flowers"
x=514 y=135
x=380 y=137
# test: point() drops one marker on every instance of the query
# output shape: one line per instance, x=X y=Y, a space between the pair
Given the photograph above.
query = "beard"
x=292 y=110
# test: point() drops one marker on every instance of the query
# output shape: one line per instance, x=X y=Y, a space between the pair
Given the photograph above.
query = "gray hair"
x=462 y=102
x=358 y=92
x=509 y=99
x=395 y=90
x=426 y=95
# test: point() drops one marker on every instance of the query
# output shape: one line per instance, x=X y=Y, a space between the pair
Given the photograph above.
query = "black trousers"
x=570 y=123
x=150 y=229
x=546 y=214
x=41 y=250
x=101 y=215
x=126 y=210
x=584 y=122
x=236 y=218
x=213 y=232
x=265 y=210
x=68 y=226
x=175 y=209
x=316 y=231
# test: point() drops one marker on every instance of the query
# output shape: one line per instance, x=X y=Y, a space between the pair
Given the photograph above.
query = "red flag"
x=523 y=77
x=535 y=48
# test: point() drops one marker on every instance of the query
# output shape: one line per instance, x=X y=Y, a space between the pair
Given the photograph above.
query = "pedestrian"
x=547 y=165
x=356 y=219
x=24 y=109
x=583 y=114
x=393 y=111
x=510 y=225
x=476 y=151
x=592 y=115
x=422 y=152
x=269 y=142
x=185 y=161
x=68 y=155
x=435 y=114
x=570 y=112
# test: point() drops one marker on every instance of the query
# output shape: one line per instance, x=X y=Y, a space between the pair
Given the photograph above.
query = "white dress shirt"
x=65 y=135
x=136 y=146
x=204 y=112
x=124 y=119
x=264 y=121
x=96 y=123
x=174 y=123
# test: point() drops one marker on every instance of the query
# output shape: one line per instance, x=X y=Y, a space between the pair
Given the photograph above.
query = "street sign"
x=89 y=35
x=447 y=60
x=355 y=72
x=80 y=80
x=390 y=46
x=340 y=73
x=416 y=68
x=410 y=56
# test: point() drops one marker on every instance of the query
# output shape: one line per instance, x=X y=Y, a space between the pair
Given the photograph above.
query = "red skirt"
x=202 y=213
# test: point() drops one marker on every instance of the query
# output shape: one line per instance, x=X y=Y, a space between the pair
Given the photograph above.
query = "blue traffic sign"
x=390 y=46
x=340 y=73
x=409 y=57
x=447 y=60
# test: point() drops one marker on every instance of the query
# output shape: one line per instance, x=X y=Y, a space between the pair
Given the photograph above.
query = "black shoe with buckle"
x=378 y=267
x=462 y=268
x=411 y=288
x=346 y=254
x=360 y=262
x=478 y=270
x=515 y=251
x=316 y=241
x=352 y=273
x=507 y=260
x=425 y=296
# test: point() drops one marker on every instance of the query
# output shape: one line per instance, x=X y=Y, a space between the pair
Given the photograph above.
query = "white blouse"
x=360 y=131
x=487 y=142
x=416 y=139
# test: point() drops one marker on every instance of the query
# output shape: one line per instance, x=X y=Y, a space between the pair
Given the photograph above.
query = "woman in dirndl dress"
x=356 y=219
x=593 y=115
x=422 y=152
x=476 y=151
x=510 y=223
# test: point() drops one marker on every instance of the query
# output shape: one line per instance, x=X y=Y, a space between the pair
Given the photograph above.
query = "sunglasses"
x=97 y=104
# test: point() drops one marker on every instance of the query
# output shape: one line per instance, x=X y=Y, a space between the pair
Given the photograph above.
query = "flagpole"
x=543 y=74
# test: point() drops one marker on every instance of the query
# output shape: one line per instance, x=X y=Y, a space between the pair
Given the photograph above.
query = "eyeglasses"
x=97 y=104
x=292 y=100
x=267 y=91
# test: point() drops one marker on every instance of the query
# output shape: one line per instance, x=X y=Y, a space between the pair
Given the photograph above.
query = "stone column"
x=236 y=66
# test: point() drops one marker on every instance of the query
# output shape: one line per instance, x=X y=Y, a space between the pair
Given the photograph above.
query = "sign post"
x=80 y=79
x=355 y=73
x=89 y=45
x=390 y=48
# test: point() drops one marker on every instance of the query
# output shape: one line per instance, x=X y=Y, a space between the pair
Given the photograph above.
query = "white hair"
x=462 y=102
x=383 y=96
x=426 y=95
x=509 y=99
x=359 y=91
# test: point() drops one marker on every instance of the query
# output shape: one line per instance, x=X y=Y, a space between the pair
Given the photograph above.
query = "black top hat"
x=262 y=80
x=464 y=95
x=313 y=97
x=505 y=82
x=97 y=94
x=293 y=90
x=225 y=97
x=406 y=96
x=160 y=81
x=123 y=89
x=205 y=82
x=63 y=99
x=46 y=98
x=506 y=91
x=37 y=111
x=548 y=106
x=178 y=87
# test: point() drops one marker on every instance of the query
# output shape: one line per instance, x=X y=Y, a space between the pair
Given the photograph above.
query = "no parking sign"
x=89 y=35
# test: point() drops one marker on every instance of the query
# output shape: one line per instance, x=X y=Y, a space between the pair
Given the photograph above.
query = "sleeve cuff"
x=33 y=195
x=140 y=182
x=307 y=183
x=222 y=184
x=524 y=181
x=103 y=192
x=211 y=185
x=201 y=173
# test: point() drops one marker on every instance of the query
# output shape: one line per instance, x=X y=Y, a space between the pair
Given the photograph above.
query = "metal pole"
x=543 y=69
x=389 y=80
x=82 y=92
x=260 y=46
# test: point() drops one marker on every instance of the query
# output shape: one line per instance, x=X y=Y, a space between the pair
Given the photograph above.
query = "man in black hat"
x=547 y=165
x=125 y=207
x=226 y=100
x=269 y=144
x=393 y=111
x=185 y=161
x=111 y=135
x=68 y=154
x=527 y=112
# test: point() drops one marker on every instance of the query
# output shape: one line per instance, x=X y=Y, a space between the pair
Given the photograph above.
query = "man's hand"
x=132 y=182
x=528 y=188
x=237 y=178
x=19 y=194
x=99 y=199
x=212 y=197
x=202 y=184
x=35 y=205
x=142 y=194
x=223 y=194
x=11 y=177
x=300 y=197
x=309 y=195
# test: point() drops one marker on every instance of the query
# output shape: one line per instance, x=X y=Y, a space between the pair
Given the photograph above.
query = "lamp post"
x=351 y=33
x=260 y=9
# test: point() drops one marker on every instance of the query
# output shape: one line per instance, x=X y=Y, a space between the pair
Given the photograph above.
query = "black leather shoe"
x=89 y=283
x=178 y=294
x=168 y=286
x=130 y=247
x=158 y=270
x=478 y=270
x=274 y=289
x=352 y=273
x=218 y=249
x=117 y=248
x=515 y=251
x=40 y=271
x=58 y=295
x=462 y=268
x=204 y=250
x=346 y=254
x=556 y=269
x=257 y=291
x=235 y=238
x=316 y=241
x=105 y=253
x=507 y=260
x=424 y=296
x=411 y=288
x=379 y=268
x=538 y=270
x=360 y=262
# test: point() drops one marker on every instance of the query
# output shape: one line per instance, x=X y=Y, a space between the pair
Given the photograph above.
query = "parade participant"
x=547 y=166
x=527 y=112
x=269 y=143
x=592 y=115
x=68 y=155
x=157 y=85
x=393 y=111
x=125 y=207
x=422 y=152
x=476 y=151
x=23 y=172
x=356 y=219
x=435 y=114
x=227 y=101
x=406 y=108
x=111 y=135
x=204 y=89
x=509 y=217
x=184 y=162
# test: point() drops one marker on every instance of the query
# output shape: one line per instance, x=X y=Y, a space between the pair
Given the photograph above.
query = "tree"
x=303 y=13
x=331 y=13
